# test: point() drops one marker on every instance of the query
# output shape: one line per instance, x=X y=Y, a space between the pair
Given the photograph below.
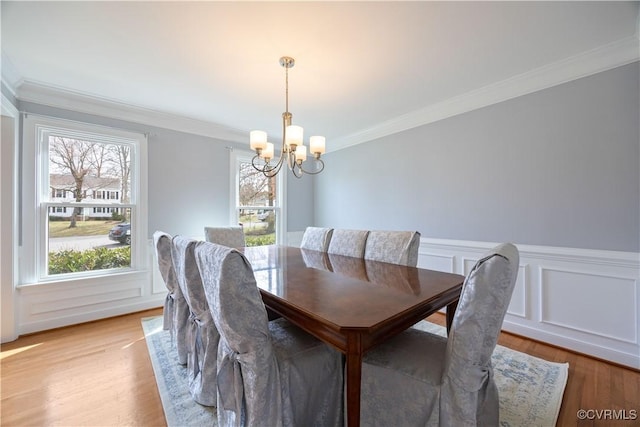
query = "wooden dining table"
x=349 y=303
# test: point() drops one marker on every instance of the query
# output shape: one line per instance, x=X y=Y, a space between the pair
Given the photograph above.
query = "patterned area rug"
x=530 y=388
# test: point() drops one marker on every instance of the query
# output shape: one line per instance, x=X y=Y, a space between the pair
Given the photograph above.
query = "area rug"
x=530 y=388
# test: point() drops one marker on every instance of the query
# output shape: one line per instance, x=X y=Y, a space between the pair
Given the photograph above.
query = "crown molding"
x=39 y=93
x=604 y=58
x=10 y=77
x=609 y=56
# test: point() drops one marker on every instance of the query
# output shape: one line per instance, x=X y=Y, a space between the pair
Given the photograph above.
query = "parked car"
x=121 y=233
x=263 y=215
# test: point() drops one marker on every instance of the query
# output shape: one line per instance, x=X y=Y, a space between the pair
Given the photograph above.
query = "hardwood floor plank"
x=100 y=374
x=97 y=374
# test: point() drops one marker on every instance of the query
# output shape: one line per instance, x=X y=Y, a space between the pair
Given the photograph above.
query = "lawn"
x=83 y=228
x=101 y=228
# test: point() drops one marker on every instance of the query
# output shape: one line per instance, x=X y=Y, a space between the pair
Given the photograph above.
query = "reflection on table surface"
x=344 y=289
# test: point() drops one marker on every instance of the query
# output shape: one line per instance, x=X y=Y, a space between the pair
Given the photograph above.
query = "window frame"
x=243 y=156
x=37 y=200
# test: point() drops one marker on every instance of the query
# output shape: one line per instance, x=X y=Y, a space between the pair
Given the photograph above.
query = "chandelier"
x=294 y=152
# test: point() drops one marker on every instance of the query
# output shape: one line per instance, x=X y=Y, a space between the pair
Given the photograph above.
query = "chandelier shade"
x=293 y=151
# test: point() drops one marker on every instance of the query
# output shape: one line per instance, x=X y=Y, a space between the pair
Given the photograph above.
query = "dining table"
x=350 y=303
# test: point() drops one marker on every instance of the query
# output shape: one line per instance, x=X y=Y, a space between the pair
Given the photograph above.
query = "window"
x=87 y=200
x=258 y=202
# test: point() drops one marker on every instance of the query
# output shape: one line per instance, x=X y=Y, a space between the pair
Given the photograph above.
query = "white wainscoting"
x=579 y=299
x=52 y=305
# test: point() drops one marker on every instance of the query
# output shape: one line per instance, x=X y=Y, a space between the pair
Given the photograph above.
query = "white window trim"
x=236 y=156
x=34 y=176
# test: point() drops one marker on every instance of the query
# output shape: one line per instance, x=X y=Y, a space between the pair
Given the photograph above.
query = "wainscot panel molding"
x=52 y=305
x=580 y=299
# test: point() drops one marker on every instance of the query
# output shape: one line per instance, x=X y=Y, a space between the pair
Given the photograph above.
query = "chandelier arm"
x=297 y=170
x=314 y=172
x=266 y=169
x=291 y=160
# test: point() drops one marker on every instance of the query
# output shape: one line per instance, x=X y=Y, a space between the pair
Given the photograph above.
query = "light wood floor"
x=100 y=374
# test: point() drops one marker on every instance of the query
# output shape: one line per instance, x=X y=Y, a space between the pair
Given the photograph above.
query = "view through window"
x=257 y=205
x=86 y=203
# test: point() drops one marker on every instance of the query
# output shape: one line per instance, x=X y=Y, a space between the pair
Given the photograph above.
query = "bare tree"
x=124 y=162
x=99 y=155
x=72 y=156
x=254 y=186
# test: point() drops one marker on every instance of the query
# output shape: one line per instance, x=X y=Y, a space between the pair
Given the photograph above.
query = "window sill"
x=99 y=280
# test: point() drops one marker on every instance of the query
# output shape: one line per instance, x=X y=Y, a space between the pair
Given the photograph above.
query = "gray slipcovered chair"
x=202 y=334
x=232 y=237
x=348 y=242
x=176 y=311
x=316 y=238
x=417 y=378
x=395 y=247
x=269 y=373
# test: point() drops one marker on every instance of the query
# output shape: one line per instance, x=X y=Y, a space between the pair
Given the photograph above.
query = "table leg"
x=451 y=311
x=354 y=376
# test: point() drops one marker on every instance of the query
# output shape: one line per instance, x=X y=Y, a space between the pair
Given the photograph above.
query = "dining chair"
x=202 y=334
x=395 y=247
x=269 y=373
x=348 y=242
x=232 y=237
x=316 y=238
x=176 y=310
x=418 y=378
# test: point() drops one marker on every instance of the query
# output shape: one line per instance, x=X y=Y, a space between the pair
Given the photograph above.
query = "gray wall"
x=188 y=177
x=559 y=167
x=300 y=203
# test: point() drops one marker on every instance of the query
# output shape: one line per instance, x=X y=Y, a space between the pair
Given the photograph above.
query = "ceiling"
x=363 y=69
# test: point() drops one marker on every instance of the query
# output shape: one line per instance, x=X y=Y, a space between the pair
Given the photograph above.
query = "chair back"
x=232 y=237
x=248 y=377
x=203 y=335
x=176 y=311
x=316 y=238
x=348 y=242
x=162 y=244
x=186 y=272
x=483 y=303
x=395 y=247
